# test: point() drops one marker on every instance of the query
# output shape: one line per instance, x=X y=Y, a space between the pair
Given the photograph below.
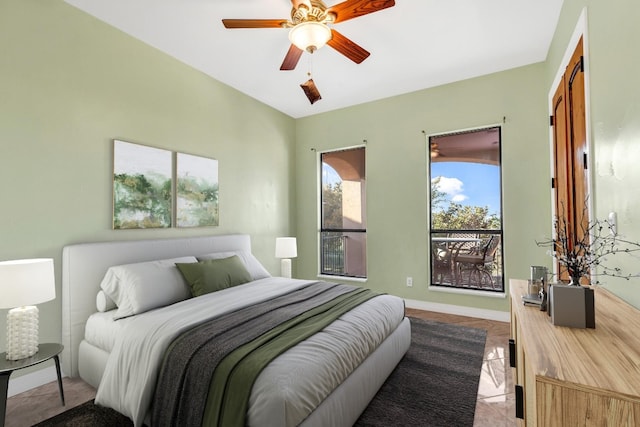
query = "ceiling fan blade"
x=291 y=59
x=354 y=8
x=254 y=23
x=347 y=47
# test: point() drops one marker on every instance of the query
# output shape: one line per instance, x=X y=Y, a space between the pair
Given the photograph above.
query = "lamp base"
x=285 y=268
x=22 y=332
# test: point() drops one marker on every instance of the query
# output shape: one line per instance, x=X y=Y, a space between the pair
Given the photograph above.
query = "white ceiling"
x=414 y=45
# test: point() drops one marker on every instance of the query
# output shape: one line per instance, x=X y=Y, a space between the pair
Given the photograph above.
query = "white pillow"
x=136 y=288
x=251 y=263
x=104 y=303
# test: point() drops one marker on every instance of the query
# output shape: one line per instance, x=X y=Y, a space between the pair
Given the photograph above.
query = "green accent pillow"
x=214 y=274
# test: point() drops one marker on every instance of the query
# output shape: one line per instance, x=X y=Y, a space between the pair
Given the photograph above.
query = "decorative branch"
x=589 y=250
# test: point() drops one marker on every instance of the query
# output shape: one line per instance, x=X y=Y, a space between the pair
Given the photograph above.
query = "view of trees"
x=332 y=205
x=446 y=215
x=456 y=216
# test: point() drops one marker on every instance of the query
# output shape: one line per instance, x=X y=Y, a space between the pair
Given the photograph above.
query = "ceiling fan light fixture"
x=435 y=152
x=310 y=35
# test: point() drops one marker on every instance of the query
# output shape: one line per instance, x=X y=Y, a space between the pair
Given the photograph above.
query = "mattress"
x=102 y=331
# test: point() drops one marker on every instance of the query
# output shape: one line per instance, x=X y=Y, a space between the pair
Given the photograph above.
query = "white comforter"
x=130 y=376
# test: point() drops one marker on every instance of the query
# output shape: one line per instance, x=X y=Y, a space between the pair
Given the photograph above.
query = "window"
x=466 y=210
x=343 y=213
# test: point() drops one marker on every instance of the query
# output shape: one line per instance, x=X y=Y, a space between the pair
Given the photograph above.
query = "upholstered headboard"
x=84 y=265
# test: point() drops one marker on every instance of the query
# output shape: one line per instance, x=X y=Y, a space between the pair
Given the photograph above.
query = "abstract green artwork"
x=141 y=186
x=196 y=191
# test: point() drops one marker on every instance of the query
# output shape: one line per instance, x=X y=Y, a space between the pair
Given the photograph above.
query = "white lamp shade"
x=286 y=247
x=26 y=282
x=310 y=34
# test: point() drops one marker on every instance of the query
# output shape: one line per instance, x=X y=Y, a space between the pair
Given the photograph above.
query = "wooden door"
x=570 y=149
x=578 y=138
x=562 y=161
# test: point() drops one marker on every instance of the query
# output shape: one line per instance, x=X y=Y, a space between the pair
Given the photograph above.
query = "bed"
x=97 y=347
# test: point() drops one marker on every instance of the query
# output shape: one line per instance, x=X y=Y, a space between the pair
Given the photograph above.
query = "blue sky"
x=471 y=184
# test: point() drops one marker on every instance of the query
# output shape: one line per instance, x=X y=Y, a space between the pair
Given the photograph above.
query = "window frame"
x=456 y=288
x=320 y=227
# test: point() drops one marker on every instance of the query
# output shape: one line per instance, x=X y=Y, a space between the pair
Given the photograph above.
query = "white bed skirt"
x=91 y=363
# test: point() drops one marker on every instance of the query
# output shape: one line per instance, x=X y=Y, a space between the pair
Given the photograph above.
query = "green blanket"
x=234 y=377
x=209 y=370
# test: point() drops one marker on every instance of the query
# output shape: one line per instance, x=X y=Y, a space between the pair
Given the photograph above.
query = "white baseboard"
x=35 y=379
x=500 y=316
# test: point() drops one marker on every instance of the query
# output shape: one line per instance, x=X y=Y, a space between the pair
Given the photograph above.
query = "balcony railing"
x=343 y=253
x=333 y=253
x=469 y=259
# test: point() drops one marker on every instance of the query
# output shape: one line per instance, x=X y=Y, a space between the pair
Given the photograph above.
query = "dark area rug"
x=435 y=384
x=88 y=414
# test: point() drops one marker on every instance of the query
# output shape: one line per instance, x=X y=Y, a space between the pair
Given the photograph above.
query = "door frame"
x=580 y=31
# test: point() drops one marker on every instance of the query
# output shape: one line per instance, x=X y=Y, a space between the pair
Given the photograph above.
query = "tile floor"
x=38 y=404
x=495 y=406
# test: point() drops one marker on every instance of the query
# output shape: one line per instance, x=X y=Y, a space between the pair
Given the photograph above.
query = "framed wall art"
x=196 y=191
x=142 y=186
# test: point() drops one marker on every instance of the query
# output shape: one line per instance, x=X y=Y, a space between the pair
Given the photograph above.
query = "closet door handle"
x=512 y=353
x=519 y=402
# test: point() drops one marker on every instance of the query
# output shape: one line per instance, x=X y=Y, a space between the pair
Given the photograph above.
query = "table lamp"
x=286 y=249
x=23 y=283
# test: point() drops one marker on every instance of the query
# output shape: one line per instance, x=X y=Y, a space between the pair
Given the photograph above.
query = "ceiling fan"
x=309 y=24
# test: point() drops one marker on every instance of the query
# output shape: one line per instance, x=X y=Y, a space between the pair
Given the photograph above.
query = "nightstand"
x=45 y=352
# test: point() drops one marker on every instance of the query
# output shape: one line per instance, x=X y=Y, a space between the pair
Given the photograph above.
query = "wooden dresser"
x=576 y=377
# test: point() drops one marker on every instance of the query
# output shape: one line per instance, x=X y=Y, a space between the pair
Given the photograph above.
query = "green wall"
x=396 y=156
x=612 y=37
x=397 y=180
x=69 y=85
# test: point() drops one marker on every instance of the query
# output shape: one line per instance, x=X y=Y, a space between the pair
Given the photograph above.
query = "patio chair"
x=479 y=264
x=469 y=246
x=441 y=265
